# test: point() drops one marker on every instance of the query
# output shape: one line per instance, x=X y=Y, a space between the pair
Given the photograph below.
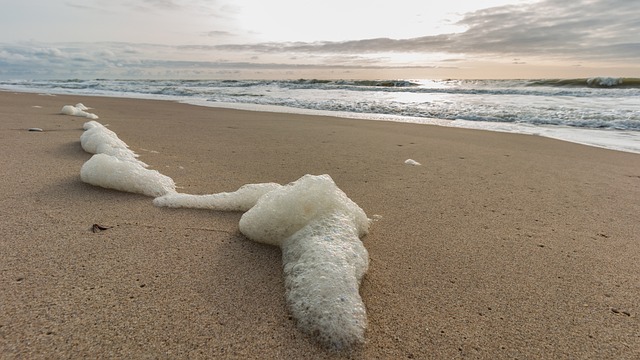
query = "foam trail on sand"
x=242 y=199
x=315 y=224
x=110 y=172
x=318 y=228
x=78 y=110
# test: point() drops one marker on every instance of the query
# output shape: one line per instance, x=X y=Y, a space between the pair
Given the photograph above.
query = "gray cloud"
x=588 y=29
x=218 y=33
x=165 y=4
x=81 y=60
x=576 y=32
x=79 y=6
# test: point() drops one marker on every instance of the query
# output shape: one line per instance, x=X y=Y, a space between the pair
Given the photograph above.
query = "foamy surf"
x=315 y=224
x=557 y=108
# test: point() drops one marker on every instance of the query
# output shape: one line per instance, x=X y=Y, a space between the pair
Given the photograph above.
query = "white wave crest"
x=604 y=81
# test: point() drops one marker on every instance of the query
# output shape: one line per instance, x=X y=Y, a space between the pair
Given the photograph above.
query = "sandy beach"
x=498 y=246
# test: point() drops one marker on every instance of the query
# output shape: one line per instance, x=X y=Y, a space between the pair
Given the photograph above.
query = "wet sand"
x=498 y=246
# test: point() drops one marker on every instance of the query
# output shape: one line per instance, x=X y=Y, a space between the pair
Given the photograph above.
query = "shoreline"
x=619 y=140
x=498 y=246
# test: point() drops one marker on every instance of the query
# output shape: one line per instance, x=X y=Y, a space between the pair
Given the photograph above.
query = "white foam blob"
x=110 y=172
x=91 y=124
x=80 y=106
x=282 y=212
x=97 y=139
x=412 y=162
x=318 y=228
x=324 y=264
x=76 y=111
x=242 y=199
x=94 y=136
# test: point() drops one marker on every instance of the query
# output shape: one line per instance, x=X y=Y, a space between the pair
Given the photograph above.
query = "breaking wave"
x=594 y=82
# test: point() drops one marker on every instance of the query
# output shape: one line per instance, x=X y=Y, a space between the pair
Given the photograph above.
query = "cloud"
x=581 y=29
x=63 y=60
x=79 y=6
x=165 y=4
x=576 y=32
x=88 y=7
x=218 y=33
x=109 y=60
x=550 y=27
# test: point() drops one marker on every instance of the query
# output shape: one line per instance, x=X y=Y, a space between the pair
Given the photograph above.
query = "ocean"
x=601 y=111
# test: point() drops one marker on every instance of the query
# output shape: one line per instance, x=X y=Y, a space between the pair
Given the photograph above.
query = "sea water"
x=603 y=111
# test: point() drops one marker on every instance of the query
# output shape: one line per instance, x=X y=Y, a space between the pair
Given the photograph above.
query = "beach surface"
x=498 y=246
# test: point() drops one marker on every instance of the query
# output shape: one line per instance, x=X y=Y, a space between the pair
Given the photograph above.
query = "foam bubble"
x=110 y=172
x=318 y=228
x=241 y=200
x=75 y=111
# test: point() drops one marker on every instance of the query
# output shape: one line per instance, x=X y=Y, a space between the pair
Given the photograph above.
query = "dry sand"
x=498 y=246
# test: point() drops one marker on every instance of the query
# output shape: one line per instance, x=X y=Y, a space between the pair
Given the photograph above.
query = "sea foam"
x=78 y=110
x=115 y=166
x=318 y=229
x=241 y=200
x=315 y=224
x=108 y=171
x=412 y=162
x=293 y=206
x=91 y=124
x=324 y=264
x=97 y=139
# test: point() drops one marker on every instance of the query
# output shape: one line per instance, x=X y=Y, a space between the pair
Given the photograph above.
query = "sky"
x=376 y=39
